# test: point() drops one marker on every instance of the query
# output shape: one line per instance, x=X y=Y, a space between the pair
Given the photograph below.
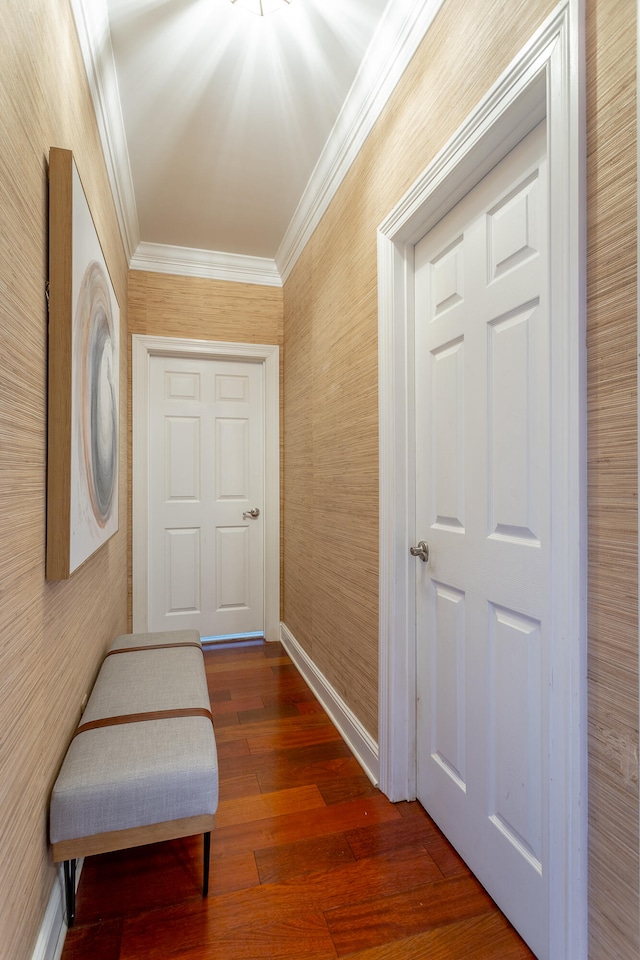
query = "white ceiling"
x=226 y=112
x=226 y=134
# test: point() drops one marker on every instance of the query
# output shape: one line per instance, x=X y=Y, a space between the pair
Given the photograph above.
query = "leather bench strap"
x=154 y=646
x=150 y=715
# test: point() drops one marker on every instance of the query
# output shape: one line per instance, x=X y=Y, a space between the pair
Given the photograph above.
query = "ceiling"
x=226 y=133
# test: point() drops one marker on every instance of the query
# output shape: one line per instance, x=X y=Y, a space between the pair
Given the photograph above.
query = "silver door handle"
x=251 y=514
x=422 y=551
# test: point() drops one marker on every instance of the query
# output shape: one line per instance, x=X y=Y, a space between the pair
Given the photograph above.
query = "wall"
x=51 y=634
x=613 y=479
x=161 y=305
x=330 y=383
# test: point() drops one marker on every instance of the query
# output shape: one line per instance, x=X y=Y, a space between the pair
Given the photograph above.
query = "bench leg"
x=70 y=890
x=205 y=866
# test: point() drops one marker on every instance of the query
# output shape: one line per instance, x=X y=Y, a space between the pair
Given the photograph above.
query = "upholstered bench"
x=142 y=765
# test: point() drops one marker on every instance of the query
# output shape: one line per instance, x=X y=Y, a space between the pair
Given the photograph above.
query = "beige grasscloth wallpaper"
x=52 y=635
x=612 y=349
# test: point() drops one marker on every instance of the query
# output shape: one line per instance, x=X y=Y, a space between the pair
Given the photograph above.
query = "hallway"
x=308 y=859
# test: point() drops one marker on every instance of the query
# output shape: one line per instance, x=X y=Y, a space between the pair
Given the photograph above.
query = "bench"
x=142 y=765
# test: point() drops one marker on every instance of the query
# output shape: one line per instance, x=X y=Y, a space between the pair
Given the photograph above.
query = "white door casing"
x=544 y=81
x=266 y=359
x=482 y=502
x=206 y=473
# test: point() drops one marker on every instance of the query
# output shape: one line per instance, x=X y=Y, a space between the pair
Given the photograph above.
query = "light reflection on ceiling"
x=226 y=113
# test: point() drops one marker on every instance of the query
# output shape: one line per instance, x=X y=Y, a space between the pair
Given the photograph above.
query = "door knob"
x=251 y=514
x=422 y=551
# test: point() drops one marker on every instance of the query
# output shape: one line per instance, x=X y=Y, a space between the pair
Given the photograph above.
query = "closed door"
x=483 y=410
x=206 y=496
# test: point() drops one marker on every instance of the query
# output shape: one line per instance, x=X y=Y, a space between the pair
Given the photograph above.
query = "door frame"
x=545 y=80
x=142 y=349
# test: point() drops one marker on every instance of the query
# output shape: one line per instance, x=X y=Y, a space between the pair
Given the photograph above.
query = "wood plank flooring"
x=308 y=859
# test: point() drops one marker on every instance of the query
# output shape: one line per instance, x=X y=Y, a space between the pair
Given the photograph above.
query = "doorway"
x=205 y=446
x=541 y=86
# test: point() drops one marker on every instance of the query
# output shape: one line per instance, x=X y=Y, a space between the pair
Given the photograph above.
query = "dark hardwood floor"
x=308 y=859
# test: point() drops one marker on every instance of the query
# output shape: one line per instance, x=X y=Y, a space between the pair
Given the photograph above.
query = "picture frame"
x=83 y=379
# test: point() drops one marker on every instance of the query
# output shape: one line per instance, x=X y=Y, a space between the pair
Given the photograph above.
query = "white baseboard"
x=54 y=925
x=54 y=928
x=359 y=741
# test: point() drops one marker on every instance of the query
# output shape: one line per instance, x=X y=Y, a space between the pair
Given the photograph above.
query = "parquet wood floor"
x=308 y=859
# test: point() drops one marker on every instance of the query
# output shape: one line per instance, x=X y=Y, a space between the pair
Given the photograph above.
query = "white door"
x=206 y=496
x=482 y=505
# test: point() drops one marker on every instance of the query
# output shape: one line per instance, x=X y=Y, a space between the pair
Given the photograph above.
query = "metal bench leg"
x=205 y=870
x=70 y=890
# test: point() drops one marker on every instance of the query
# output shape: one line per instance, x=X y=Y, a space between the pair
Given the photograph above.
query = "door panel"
x=448 y=700
x=514 y=745
x=482 y=503
x=233 y=568
x=182 y=572
x=447 y=435
x=512 y=422
x=232 y=458
x=205 y=471
x=182 y=458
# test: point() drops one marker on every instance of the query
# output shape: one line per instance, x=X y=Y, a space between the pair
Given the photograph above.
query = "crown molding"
x=94 y=36
x=401 y=30
x=211 y=264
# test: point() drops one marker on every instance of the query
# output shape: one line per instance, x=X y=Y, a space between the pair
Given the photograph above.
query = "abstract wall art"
x=83 y=408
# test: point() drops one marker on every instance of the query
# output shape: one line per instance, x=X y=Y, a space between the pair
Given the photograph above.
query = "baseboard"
x=54 y=925
x=359 y=741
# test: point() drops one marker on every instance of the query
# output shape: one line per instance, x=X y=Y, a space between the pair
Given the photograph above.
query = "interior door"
x=206 y=496
x=482 y=507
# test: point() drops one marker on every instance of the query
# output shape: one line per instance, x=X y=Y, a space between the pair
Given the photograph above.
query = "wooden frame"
x=83 y=413
x=132 y=837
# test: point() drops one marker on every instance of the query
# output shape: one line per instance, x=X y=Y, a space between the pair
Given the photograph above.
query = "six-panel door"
x=482 y=503
x=206 y=464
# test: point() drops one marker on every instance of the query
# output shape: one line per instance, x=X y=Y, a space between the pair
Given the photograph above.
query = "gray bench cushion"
x=134 y=775
x=143 y=681
x=146 y=772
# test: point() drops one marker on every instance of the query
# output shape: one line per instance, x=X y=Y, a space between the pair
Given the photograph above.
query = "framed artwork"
x=83 y=405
